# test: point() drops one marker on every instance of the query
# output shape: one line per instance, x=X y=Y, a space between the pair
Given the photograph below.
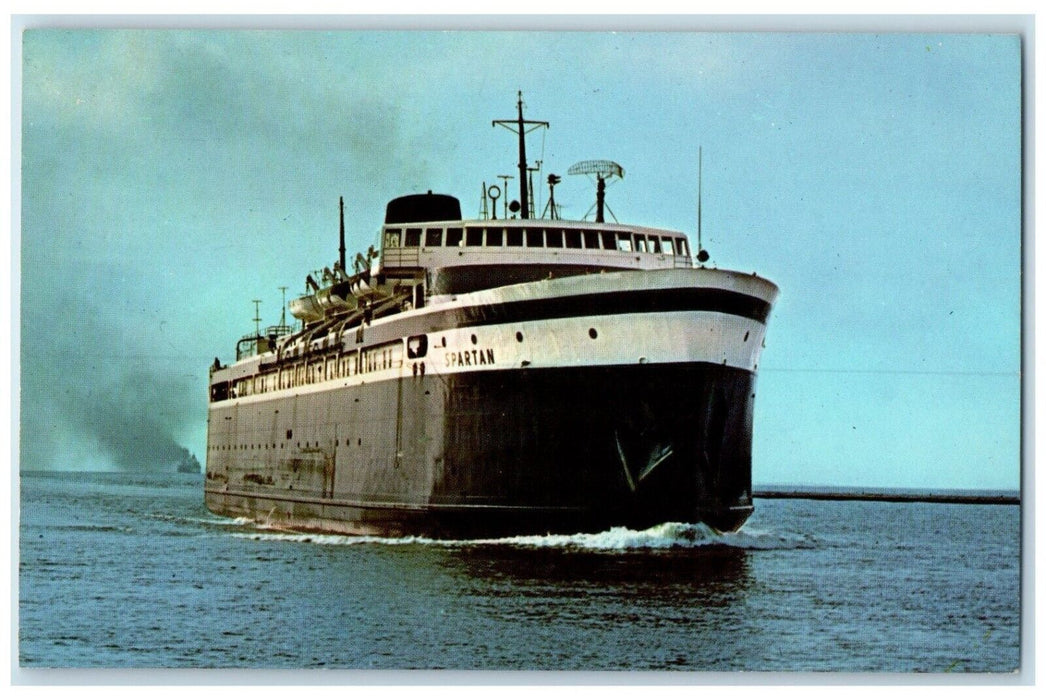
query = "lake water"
x=127 y=571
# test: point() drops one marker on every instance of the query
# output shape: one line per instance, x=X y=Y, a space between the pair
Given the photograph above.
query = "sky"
x=170 y=177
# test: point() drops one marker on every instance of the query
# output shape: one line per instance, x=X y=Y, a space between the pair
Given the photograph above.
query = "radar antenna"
x=604 y=170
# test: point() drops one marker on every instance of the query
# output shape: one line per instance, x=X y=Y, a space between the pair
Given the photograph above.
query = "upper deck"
x=514 y=241
x=465 y=255
x=428 y=254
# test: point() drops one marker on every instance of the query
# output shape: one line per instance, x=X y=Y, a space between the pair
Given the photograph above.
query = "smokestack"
x=341 y=238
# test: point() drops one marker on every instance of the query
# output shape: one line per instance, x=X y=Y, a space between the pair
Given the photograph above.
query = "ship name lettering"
x=470 y=358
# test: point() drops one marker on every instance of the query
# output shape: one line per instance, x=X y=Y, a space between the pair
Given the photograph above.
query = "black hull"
x=493 y=453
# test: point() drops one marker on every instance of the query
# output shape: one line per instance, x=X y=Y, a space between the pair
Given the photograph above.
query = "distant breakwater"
x=888 y=496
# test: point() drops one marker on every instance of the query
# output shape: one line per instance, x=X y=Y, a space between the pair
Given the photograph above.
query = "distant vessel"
x=497 y=376
x=188 y=464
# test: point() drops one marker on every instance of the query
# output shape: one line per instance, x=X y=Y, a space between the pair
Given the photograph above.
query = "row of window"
x=380 y=357
x=272 y=446
x=497 y=237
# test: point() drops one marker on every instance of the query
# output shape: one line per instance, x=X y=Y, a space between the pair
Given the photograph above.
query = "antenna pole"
x=283 y=307
x=702 y=254
x=699 y=248
x=341 y=238
x=257 y=318
x=504 y=182
x=530 y=189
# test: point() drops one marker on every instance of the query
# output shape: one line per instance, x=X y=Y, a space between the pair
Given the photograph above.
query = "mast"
x=257 y=318
x=523 y=197
x=283 y=308
x=519 y=126
x=341 y=238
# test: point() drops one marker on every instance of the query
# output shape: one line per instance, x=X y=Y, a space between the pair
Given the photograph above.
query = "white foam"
x=267 y=535
x=659 y=537
x=205 y=520
x=746 y=538
x=666 y=536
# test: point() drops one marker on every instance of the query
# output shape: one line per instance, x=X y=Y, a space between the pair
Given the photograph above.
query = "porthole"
x=592 y=333
x=519 y=336
x=474 y=341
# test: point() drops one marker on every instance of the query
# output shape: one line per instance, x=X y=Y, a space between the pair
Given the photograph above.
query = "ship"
x=497 y=376
x=188 y=464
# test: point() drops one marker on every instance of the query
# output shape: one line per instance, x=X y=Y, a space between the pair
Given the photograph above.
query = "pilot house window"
x=413 y=239
x=433 y=237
